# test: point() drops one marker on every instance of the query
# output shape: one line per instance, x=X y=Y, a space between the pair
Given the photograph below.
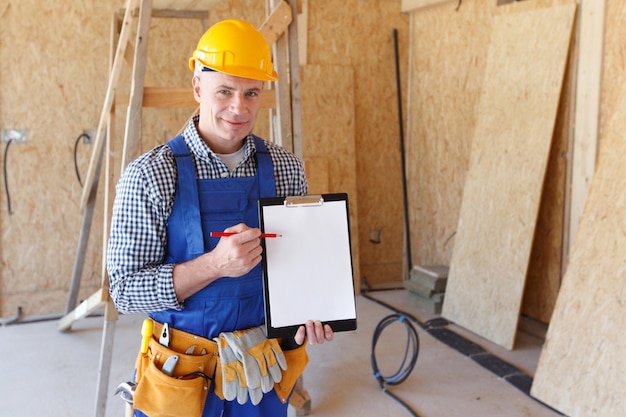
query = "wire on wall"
x=6 y=182
x=407 y=226
x=81 y=136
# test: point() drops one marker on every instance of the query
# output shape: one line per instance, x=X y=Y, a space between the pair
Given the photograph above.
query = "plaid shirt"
x=139 y=279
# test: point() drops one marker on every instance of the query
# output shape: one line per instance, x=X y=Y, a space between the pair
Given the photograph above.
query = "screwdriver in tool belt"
x=146 y=334
x=165 y=335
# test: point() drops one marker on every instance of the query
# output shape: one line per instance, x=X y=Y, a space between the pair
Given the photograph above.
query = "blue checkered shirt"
x=139 y=279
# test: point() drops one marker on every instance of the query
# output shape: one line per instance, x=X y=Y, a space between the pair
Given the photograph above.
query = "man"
x=161 y=257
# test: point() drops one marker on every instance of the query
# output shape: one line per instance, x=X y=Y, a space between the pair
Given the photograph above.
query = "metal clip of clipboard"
x=304 y=201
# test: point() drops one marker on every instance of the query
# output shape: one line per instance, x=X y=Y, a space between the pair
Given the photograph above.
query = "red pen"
x=224 y=234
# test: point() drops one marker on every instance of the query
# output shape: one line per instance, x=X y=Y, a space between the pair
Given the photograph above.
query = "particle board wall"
x=580 y=371
x=447 y=64
x=543 y=278
x=614 y=62
x=52 y=89
x=508 y=161
x=55 y=88
x=446 y=69
x=359 y=35
x=329 y=149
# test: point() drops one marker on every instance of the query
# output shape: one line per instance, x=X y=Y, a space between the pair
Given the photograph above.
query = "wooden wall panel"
x=508 y=161
x=446 y=69
x=359 y=35
x=56 y=90
x=545 y=267
x=331 y=146
x=614 y=62
x=580 y=372
x=53 y=87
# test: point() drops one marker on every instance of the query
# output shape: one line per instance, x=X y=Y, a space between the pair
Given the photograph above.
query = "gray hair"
x=197 y=69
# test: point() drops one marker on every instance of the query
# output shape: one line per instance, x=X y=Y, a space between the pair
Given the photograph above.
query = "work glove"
x=234 y=382
x=262 y=358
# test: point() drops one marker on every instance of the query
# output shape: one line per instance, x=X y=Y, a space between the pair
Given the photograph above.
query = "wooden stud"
x=587 y=107
x=87 y=307
x=414 y=5
x=280 y=118
x=130 y=149
x=276 y=23
x=294 y=83
x=182 y=97
x=116 y=70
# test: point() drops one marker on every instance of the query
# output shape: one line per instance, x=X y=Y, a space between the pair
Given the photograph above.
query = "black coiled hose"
x=408 y=362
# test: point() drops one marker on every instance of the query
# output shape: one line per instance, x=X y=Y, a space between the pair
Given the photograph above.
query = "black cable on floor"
x=437 y=327
x=6 y=182
x=409 y=360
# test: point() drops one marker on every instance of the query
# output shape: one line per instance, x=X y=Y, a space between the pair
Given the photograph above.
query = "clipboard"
x=307 y=271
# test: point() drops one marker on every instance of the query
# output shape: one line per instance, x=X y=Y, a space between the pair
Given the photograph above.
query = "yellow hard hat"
x=235 y=47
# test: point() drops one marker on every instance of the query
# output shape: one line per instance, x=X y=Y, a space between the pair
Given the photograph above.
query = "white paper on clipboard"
x=308 y=270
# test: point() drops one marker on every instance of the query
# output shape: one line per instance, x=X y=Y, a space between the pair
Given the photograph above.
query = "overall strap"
x=265 y=169
x=188 y=190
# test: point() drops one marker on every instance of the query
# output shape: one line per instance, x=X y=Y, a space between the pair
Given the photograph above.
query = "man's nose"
x=237 y=103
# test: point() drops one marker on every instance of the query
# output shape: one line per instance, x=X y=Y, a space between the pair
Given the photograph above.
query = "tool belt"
x=184 y=393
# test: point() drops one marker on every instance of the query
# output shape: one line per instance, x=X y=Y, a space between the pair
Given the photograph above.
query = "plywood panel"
x=507 y=166
x=588 y=85
x=39 y=240
x=201 y=5
x=359 y=35
x=543 y=278
x=331 y=146
x=613 y=62
x=413 y=5
x=317 y=175
x=581 y=370
x=446 y=71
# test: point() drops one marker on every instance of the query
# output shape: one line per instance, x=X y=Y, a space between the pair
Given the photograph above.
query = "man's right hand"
x=236 y=255
x=233 y=256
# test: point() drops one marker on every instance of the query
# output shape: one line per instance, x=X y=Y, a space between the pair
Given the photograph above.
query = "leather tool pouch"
x=184 y=393
x=296 y=359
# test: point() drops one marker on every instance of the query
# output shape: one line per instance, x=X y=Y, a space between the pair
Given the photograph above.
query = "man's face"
x=228 y=109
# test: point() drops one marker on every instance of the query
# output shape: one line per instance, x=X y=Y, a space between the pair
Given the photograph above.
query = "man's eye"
x=252 y=94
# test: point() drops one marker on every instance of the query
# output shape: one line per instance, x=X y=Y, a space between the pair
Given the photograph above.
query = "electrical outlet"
x=91 y=136
x=14 y=135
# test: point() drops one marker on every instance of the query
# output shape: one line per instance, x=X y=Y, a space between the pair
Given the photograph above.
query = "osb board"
x=42 y=267
x=416 y=5
x=446 y=71
x=318 y=174
x=39 y=240
x=581 y=370
x=331 y=145
x=613 y=64
x=545 y=267
x=185 y=4
x=508 y=161
x=543 y=278
x=359 y=34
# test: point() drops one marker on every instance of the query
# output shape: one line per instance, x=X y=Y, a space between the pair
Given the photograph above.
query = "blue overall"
x=227 y=304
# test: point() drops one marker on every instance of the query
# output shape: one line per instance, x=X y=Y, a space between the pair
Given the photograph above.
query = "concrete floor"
x=46 y=372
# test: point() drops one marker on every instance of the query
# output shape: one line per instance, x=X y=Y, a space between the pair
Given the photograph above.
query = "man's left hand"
x=314 y=332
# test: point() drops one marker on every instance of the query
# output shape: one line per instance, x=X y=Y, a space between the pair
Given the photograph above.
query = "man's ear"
x=195 y=82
